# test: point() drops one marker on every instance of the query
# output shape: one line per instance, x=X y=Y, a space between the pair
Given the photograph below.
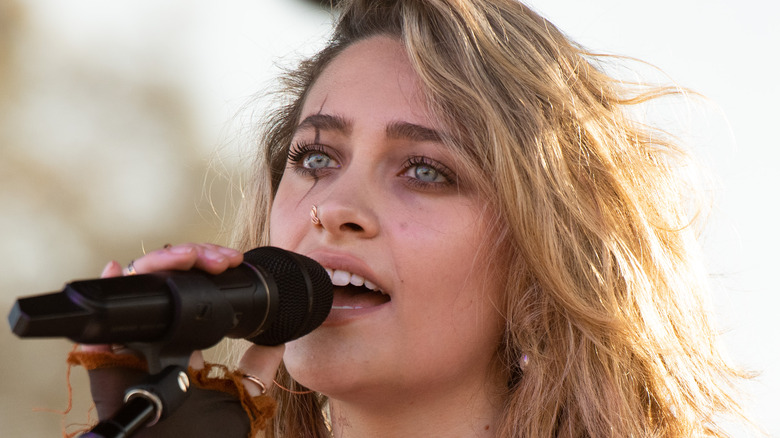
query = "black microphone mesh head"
x=305 y=293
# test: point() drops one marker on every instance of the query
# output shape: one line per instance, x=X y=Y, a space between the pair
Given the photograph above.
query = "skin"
x=395 y=210
x=406 y=226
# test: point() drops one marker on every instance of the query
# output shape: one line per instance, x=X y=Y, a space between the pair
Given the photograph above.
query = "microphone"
x=273 y=297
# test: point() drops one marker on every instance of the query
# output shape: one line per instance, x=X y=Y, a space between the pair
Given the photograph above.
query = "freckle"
x=487 y=427
x=403 y=225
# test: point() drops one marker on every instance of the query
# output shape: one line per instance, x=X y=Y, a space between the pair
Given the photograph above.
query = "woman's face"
x=368 y=154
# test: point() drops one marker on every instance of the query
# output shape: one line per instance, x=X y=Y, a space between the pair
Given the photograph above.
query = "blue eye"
x=424 y=172
x=316 y=160
x=310 y=159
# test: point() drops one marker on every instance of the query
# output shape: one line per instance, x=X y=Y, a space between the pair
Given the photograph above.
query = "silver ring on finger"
x=130 y=269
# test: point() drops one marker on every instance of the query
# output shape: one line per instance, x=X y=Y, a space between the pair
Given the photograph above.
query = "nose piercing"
x=313 y=214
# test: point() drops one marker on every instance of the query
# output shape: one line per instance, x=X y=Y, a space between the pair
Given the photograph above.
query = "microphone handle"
x=239 y=302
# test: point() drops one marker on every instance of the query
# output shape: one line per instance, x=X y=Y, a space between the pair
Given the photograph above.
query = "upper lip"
x=346 y=262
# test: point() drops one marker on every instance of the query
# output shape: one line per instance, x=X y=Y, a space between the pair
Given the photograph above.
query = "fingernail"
x=214 y=256
x=230 y=252
x=181 y=249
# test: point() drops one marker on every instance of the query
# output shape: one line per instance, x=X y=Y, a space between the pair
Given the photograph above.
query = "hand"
x=210 y=258
x=213 y=259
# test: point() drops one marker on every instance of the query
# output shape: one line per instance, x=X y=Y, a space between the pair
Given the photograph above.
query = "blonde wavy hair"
x=607 y=329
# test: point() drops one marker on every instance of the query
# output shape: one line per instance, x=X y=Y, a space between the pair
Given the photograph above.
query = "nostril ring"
x=313 y=214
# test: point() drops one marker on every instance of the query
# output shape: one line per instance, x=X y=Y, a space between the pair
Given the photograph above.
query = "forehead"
x=370 y=79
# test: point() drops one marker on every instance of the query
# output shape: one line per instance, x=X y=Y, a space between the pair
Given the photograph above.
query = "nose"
x=347 y=211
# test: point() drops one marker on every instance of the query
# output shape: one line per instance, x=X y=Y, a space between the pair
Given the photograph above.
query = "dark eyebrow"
x=395 y=130
x=410 y=131
x=326 y=122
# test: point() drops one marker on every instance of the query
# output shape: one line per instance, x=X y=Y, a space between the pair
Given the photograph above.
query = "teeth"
x=343 y=278
x=340 y=278
x=356 y=280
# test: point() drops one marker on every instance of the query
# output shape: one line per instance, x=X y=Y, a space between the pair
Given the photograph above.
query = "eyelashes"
x=299 y=150
x=310 y=159
x=421 y=169
x=420 y=172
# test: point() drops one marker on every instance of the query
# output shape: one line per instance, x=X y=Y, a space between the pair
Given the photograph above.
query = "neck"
x=466 y=411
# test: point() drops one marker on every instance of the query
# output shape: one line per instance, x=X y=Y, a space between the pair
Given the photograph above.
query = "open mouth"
x=352 y=292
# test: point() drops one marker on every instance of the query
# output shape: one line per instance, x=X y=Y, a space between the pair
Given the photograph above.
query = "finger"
x=213 y=259
x=262 y=363
x=112 y=269
x=196 y=360
x=235 y=257
x=180 y=257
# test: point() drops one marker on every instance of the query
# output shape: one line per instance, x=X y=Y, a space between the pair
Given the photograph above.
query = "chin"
x=310 y=360
x=321 y=363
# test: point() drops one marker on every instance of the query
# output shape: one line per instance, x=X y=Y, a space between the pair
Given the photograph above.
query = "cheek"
x=438 y=246
x=277 y=230
x=284 y=211
x=453 y=331
x=452 y=285
x=460 y=299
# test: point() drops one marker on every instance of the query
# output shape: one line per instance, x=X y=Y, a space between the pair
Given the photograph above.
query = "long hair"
x=607 y=328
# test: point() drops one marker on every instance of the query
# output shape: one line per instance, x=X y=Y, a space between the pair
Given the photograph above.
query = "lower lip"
x=342 y=315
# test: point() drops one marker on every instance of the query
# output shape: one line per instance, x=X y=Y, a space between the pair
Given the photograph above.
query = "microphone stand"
x=145 y=404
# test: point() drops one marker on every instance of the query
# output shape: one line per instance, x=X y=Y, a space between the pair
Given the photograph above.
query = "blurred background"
x=125 y=125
